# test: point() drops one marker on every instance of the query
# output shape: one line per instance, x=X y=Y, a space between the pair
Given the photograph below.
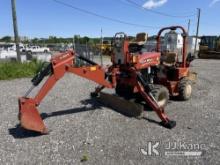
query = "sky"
x=43 y=18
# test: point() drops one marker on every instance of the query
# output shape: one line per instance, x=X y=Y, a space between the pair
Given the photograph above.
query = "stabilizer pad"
x=170 y=124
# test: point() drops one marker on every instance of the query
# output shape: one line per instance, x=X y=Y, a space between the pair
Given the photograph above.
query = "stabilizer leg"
x=166 y=122
x=97 y=91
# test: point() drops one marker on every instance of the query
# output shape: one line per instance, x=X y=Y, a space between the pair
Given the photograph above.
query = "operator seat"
x=141 y=38
x=169 y=59
x=138 y=44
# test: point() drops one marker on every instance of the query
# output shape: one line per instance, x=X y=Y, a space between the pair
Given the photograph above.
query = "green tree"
x=35 y=41
x=85 y=39
x=6 y=39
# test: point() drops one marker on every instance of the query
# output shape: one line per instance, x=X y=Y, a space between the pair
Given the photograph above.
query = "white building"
x=192 y=43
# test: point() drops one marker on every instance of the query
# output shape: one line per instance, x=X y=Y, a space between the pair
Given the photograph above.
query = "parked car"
x=7 y=54
x=37 y=49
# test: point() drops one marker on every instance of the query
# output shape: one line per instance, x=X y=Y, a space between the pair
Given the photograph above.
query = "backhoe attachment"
x=60 y=64
x=29 y=116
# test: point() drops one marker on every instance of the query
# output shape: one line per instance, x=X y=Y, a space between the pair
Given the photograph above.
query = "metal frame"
x=182 y=69
x=184 y=35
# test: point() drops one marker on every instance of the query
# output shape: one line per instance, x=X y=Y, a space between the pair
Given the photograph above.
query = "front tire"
x=161 y=95
x=185 y=89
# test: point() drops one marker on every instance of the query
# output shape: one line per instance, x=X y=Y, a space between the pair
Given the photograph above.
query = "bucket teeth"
x=30 y=118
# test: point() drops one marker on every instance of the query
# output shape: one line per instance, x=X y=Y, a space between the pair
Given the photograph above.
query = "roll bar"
x=184 y=35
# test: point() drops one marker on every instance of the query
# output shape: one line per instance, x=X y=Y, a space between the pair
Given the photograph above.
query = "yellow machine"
x=106 y=47
x=209 y=47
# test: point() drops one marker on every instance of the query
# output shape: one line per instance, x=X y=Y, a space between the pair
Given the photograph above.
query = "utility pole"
x=14 y=16
x=189 y=22
x=101 y=48
x=197 y=29
x=74 y=43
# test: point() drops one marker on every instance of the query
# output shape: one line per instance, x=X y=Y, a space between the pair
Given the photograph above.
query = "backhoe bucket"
x=29 y=116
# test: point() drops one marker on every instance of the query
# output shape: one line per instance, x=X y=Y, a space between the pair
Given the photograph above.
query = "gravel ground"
x=83 y=128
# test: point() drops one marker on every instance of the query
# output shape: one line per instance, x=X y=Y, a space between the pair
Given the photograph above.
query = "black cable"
x=105 y=17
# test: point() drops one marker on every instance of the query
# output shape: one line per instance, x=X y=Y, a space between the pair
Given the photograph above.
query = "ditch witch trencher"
x=146 y=77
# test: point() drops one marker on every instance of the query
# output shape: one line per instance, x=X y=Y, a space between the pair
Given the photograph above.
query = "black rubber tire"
x=185 y=89
x=161 y=94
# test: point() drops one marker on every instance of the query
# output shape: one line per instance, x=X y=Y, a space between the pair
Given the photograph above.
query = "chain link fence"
x=87 y=51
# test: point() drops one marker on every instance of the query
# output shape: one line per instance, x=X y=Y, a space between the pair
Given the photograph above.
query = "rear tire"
x=161 y=95
x=185 y=89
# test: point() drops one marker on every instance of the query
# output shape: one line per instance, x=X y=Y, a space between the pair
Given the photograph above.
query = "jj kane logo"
x=175 y=148
x=152 y=149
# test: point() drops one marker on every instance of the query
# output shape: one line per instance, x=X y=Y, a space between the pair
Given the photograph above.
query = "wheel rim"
x=162 y=99
x=188 y=90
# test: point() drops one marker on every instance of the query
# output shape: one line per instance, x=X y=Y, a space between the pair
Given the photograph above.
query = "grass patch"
x=84 y=158
x=13 y=70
